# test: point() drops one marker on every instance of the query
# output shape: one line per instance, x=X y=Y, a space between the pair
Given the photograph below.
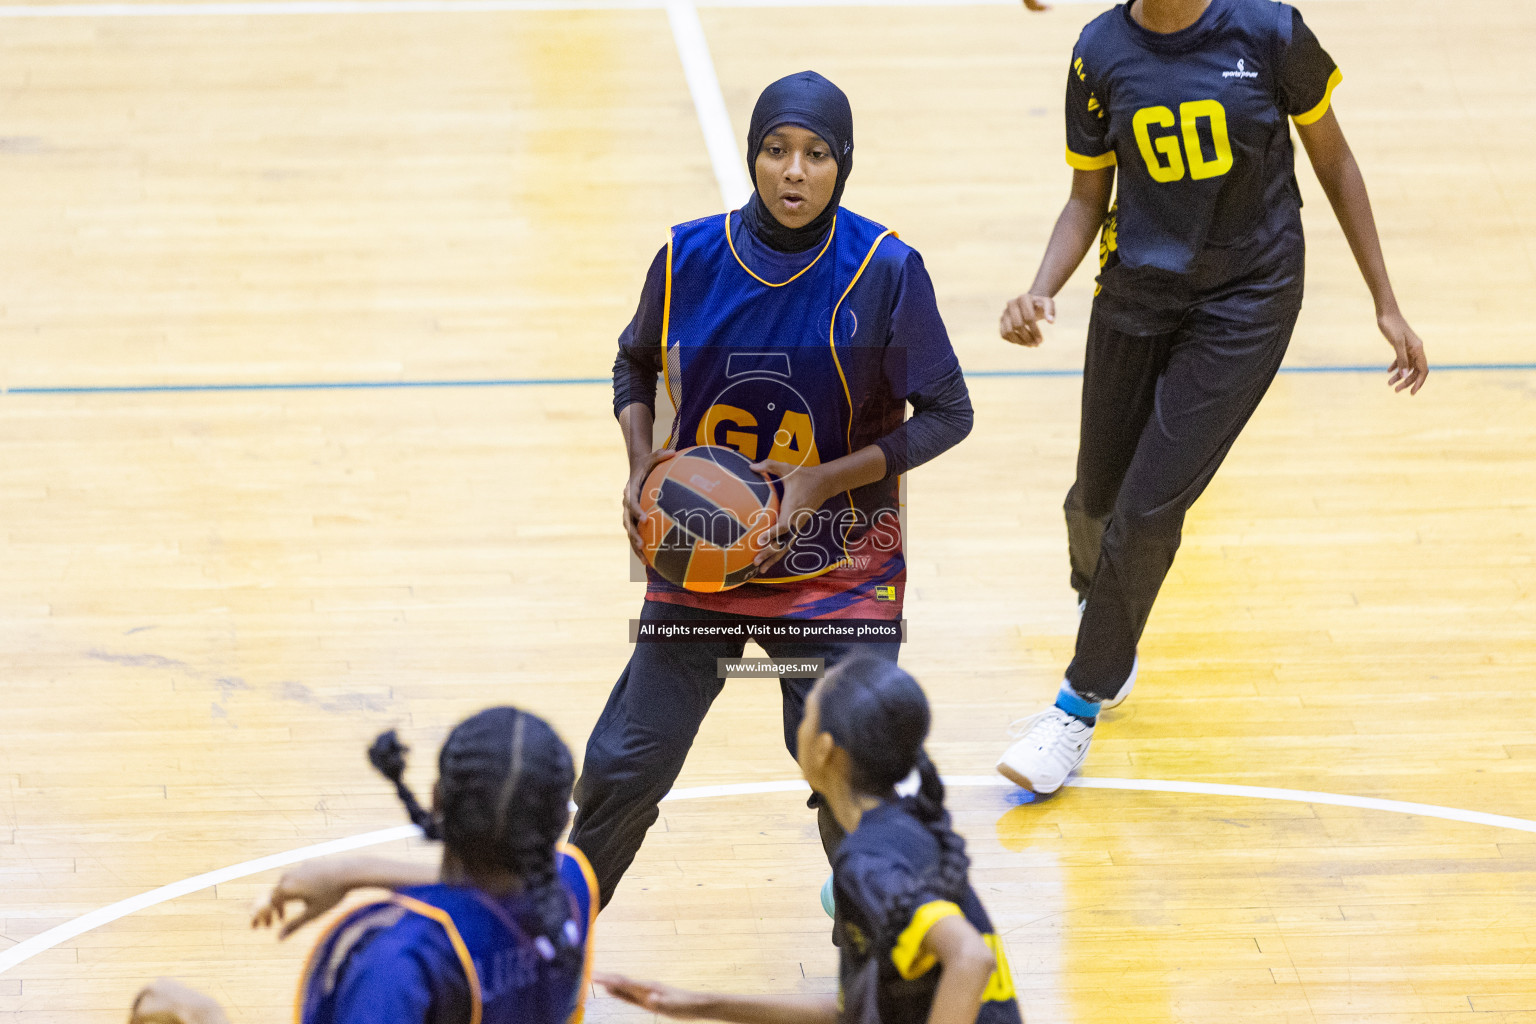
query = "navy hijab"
x=811 y=102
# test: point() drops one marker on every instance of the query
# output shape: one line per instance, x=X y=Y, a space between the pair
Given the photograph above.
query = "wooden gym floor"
x=211 y=599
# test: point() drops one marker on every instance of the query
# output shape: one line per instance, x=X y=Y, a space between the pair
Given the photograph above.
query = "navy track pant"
x=638 y=746
x=1160 y=412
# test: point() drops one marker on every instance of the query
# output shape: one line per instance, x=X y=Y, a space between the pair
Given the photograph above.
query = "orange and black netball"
x=706 y=516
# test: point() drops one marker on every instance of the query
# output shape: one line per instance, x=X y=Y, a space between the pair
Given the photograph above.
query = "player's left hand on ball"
x=1409 y=365
x=650 y=995
x=168 y=1001
x=804 y=491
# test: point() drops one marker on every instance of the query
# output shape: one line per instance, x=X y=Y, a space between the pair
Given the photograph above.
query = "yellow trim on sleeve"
x=1000 y=983
x=592 y=906
x=467 y=962
x=312 y=964
x=1316 y=113
x=907 y=955
x=1090 y=163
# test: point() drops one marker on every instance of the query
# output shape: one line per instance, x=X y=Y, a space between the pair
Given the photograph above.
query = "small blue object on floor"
x=828 y=901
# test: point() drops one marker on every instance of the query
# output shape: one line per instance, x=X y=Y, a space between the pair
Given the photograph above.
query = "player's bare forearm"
x=1075 y=230
x=638 y=422
x=383 y=873
x=771 y=1009
x=967 y=964
x=737 y=1009
x=807 y=488
x=865 y=466
x=1344 y=185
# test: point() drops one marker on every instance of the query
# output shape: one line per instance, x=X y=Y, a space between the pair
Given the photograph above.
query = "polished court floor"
x=218 y=580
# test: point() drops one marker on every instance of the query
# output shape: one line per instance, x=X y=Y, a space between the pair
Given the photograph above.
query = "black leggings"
x=638 y=746
x=1160 y=412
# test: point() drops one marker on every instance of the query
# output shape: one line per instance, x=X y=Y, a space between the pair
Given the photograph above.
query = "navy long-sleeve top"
x=934 y=385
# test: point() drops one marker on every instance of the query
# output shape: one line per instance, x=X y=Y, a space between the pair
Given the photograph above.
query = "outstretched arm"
x=321 y=884
x=684 y=1005
x=1070 y=241
x=1342 y=182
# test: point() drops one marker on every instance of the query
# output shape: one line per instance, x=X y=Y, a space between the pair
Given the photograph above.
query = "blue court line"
x=521 y=382
x=1347 y=368
x=338 y=385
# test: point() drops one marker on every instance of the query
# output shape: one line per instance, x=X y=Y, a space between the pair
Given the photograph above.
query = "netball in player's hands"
x=637 y=431
x=796 y=333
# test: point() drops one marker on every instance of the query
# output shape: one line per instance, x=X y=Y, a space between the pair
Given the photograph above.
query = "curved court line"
x=47 y=940
x=523 y=382
x=30 y=948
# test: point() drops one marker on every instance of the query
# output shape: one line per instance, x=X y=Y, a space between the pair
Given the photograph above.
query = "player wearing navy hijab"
x=1187 y=102
x=796 y=332
x=500 y=936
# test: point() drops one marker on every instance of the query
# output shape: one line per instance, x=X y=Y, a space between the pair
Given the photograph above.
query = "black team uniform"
x=1200 y=284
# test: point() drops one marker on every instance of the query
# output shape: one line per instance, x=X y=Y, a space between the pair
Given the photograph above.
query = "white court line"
x=288 y=7
x=24 y=951
x=271 y=7
x=709 y=103
x=47 y=940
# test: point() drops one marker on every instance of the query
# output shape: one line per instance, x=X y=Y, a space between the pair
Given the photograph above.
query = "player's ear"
x=829 y=757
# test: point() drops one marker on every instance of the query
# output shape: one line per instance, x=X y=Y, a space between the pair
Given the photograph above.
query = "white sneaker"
x=1050 y=746
x=1125 y=688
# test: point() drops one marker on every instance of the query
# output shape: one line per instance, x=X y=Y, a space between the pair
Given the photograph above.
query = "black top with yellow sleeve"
x=877 y=865
x=1195 y=122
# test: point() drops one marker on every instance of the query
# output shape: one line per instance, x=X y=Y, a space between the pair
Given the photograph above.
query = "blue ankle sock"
x=1085 y=711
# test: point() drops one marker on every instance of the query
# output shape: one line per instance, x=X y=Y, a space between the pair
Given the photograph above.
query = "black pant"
x=638 y=746
x=1160 y=412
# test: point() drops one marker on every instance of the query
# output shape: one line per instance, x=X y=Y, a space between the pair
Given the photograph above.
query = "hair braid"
x=949 y=878
x=503 y=801
x=876 y=712
x=388 y=755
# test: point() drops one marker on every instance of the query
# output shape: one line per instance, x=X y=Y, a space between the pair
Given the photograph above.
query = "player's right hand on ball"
x=652 y=996
x=1021 y=319
x=633 y=513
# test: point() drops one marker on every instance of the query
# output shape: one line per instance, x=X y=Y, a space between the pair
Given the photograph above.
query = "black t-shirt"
x=1195 y=123
x=878 y=861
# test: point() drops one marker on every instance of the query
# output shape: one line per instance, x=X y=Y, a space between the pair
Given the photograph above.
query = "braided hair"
x=876 y=712
x=503 y=800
